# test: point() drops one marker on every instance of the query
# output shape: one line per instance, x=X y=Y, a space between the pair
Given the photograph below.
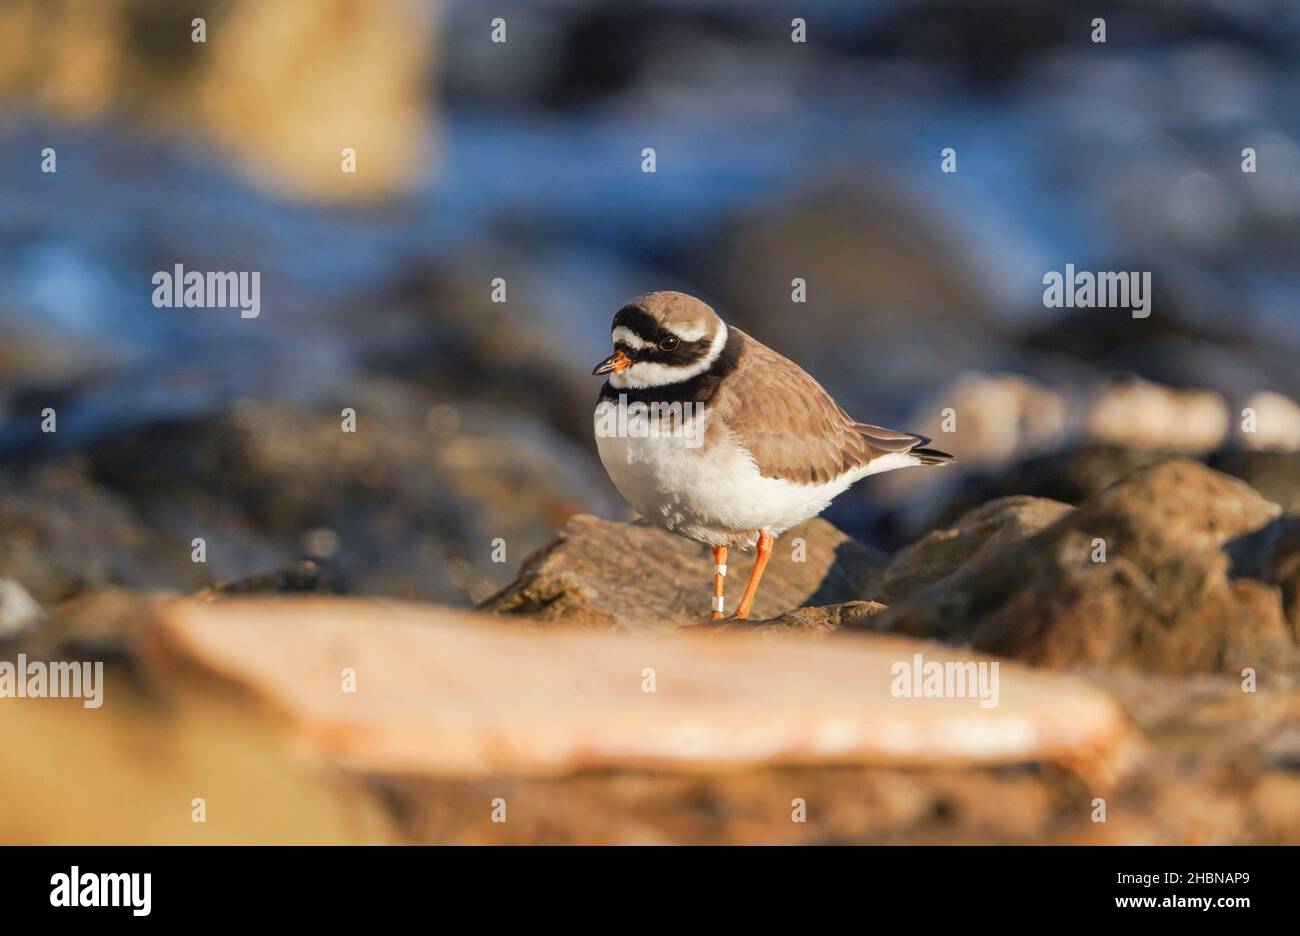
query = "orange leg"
x=765 y=542
x=719 y=579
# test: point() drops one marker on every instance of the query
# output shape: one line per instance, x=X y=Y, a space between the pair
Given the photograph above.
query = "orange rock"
x=443 y=693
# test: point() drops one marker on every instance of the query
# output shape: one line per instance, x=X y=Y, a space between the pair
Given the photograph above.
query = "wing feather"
x=792 y=426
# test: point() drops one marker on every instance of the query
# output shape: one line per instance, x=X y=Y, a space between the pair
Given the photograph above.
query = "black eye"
x=669 y=343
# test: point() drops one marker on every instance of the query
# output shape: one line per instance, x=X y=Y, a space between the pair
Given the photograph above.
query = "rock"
x=62 y=535
x=941 y=552
x=414 y=499
x=866 y=247
x=134 y=770
x=1167 y=597
x=1276 y=475
x=281 y=86
x=443 y=694
x=444 y=332
x=18 y=609
x=1138 y=414
x=635 y=577
x=799 y=622
x=102 y=623
x=1284 y=569
x=1094 y=335
x=411 y=504
x=998 y=418
x=1070 y=477
x=1184 y=789
x=987 y=421
x=290 y=758
x=304 y=577
x=877 y=277
x=1276 y=425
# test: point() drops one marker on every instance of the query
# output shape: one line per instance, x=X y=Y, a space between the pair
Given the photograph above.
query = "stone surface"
x=987 y=529
x=182 y=423
x=62 y=535
x=299 y=578
x=1283 y=568
x=438 y=693
x=99 y=624
x=1168 y=597
x=18 y=609
x=1276 y=475
x=999 y=417
x=1276 y=425
x=635 y=577
x=883 y=283
x=1143 y=415
x=797 y=622
x=282 y=86
x=408 y=506
x=1070 y=476
x=1217 y=766
x=1214 y=770
x=129 y=772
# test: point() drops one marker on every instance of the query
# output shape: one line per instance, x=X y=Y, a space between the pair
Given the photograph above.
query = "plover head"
x=662 y=338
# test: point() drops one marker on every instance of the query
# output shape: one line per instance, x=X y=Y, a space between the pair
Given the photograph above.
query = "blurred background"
x=521 y=162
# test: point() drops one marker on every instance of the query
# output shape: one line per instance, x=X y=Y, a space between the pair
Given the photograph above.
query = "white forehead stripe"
x=644 y=374
x=693 y=333
x=629 y=338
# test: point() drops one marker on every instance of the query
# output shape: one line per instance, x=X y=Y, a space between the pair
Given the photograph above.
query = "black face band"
x=642 y=324
x=698 y=389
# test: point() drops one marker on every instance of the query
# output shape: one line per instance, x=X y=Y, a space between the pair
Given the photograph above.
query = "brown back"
x=791 y=425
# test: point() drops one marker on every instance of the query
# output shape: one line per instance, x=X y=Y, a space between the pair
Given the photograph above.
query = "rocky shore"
x=353 y=570
x=1145 y=635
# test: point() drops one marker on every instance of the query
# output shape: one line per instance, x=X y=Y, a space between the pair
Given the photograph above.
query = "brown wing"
x=790 y=424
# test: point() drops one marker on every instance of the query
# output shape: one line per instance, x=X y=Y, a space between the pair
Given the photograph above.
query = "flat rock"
x=635 y=577
x=443 y=693
x=1172 y=592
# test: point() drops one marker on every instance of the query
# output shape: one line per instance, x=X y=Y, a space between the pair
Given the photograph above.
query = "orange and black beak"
x=613 y=364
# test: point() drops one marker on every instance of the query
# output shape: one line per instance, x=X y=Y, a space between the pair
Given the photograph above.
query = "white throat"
x=645 y=374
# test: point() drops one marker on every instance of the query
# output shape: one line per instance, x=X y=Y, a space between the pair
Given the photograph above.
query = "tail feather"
x=889 y=440
x=910 y=443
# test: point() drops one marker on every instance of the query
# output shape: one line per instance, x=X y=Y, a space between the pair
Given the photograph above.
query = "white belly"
x=712 y=494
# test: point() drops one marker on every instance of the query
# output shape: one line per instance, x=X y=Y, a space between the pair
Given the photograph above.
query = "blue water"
x=1095 y=157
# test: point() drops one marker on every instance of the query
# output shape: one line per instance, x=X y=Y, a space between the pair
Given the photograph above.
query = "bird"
x=712 y=435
